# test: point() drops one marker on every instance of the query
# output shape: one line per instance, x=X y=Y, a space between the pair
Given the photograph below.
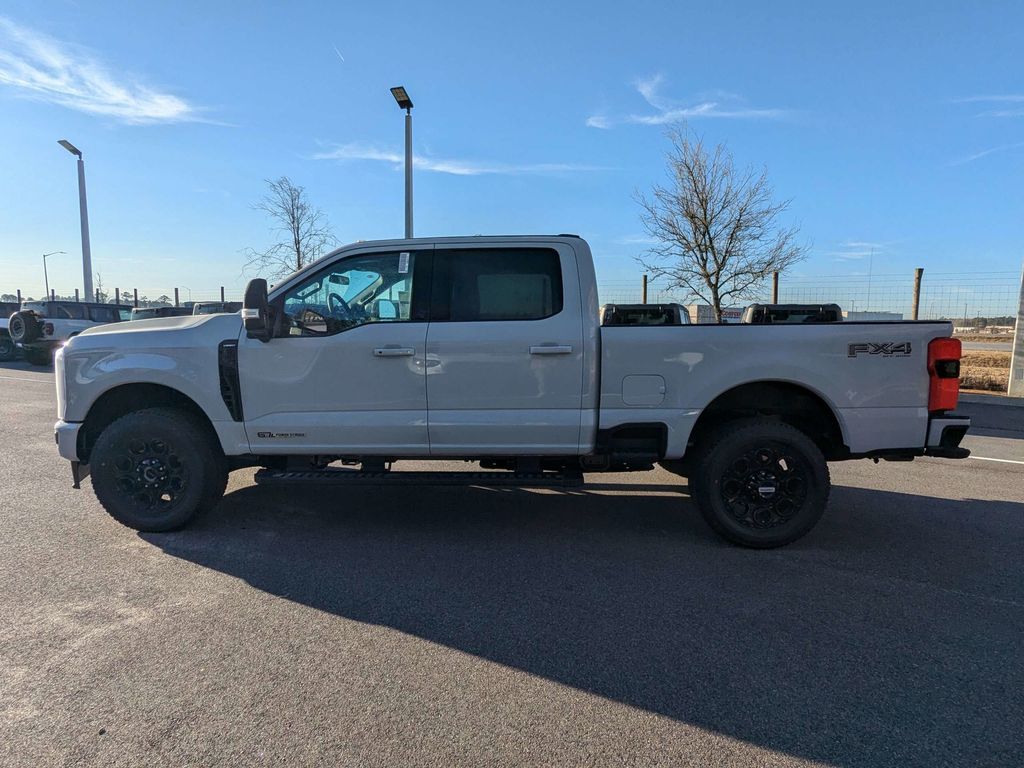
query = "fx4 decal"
x=885 y=349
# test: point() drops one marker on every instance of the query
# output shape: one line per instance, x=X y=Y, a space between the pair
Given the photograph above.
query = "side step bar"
x=356 y=477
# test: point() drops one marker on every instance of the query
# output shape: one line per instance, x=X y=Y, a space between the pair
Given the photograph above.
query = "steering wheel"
x=336 y=303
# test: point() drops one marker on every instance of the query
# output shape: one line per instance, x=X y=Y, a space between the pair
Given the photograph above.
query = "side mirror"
x=255 y=311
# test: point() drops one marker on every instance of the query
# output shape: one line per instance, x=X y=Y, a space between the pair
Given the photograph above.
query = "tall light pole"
x=84 y=214
x=404 y=102
x=46 y=277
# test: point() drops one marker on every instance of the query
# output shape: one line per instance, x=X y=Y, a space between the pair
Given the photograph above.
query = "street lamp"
x=404 y=102
x=46 y=277
x=84 y=214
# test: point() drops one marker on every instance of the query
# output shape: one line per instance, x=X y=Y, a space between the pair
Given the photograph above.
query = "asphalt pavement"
x=448 y=626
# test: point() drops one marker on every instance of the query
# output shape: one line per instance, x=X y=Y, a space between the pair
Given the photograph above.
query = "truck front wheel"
x=760 y=483
x=155 y=469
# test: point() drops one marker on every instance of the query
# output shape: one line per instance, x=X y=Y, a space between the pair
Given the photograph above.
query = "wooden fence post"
x=917 y=291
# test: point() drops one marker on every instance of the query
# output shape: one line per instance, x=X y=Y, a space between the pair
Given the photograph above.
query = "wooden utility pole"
x=643 y=290
x=775 y=287
x=175 y=297
x=918 y=273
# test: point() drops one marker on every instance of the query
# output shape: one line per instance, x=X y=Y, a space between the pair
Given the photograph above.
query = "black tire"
x=155 y=469
x=7 y=349
x=36 y=356
x=24 y=327
x=760 y=483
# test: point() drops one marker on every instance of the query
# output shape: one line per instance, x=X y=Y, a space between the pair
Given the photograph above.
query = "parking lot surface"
x=472 y=626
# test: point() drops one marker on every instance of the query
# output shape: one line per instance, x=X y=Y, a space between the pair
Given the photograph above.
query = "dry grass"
x=996 y=339
x=986 y=359
x=988 y=371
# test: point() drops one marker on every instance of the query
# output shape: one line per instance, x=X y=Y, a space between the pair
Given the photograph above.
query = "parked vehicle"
x=215 y=307
x=644 y=314
x=489 y=349
x=41 y=327
x=148 y=313
x=8 y=350
x=765 y=314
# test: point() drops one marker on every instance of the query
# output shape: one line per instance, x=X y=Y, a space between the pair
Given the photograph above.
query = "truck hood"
x=189 y=330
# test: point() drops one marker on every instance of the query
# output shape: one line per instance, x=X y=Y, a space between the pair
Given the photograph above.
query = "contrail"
x=339 y=54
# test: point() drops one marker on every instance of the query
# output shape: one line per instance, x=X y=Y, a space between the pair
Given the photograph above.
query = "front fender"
x=88 y=373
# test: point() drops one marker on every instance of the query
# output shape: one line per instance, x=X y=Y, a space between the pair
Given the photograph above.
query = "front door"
x=505 y=351
x=345 y=374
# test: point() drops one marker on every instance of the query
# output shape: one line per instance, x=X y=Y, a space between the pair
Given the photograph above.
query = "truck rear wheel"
x=760 y=483
x=39 y=356
x=7 y=348
x=155 y=469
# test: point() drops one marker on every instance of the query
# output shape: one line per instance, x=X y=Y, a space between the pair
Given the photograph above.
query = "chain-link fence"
x=964 y=297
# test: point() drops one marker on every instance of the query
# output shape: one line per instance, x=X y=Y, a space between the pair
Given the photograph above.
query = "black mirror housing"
x=255 y=310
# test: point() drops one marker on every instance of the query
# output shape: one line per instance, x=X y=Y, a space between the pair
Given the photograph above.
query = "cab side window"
x=370 y=288
x=497 y=284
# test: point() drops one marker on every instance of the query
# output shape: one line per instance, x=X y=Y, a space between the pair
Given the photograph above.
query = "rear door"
x=504 y=358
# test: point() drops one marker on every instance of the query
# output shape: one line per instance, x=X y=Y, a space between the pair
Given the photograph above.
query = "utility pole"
x=46 y=276
x=83 y=212
x=643 y=290
x=402 y=97
x=1016 y=387
x=775 y=287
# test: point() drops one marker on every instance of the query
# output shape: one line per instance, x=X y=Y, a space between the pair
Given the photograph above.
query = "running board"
x=355 y=477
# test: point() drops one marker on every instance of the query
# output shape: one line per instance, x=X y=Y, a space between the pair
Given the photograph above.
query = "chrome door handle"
x=394 y=352
x=551 y=349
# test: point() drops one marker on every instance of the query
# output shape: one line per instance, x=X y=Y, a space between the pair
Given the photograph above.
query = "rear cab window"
x=494 y=284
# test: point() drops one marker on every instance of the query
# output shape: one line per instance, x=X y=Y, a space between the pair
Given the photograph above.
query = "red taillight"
x=48 y=329
x=943 y=374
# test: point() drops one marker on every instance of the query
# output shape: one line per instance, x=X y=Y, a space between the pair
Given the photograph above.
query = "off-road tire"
x=760 y=483
x=7 y=348
x=24 y=327
x=156 y=469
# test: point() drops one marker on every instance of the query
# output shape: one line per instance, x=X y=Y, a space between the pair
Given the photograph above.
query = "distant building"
x=702 y=313
x=872 y=316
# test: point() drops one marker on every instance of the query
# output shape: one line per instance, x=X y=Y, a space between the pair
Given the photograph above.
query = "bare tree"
x=302 y=230
x=715 y=226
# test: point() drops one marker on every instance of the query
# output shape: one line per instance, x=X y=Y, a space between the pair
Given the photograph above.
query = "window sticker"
x=403 y=262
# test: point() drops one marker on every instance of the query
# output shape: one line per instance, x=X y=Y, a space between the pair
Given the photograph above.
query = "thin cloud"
x=855 y=250
x=40 y=67
x=987 y=152
x=359 y=151
x=718 y=104
x=1005 y=98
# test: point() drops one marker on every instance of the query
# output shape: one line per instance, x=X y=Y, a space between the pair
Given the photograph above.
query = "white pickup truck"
x=490 y=349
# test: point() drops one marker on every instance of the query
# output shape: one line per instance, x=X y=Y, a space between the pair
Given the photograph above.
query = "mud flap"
x=79 y=472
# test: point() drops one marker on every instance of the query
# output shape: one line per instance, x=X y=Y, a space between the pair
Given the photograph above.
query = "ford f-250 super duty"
x=490 y=349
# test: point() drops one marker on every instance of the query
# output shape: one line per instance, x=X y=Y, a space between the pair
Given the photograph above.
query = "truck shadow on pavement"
x=891 y=635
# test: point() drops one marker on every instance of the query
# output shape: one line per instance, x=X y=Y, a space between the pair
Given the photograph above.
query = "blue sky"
x=894 y=127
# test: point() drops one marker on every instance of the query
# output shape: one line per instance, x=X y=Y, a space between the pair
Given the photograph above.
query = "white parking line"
x=1002 y=461
x=23 y=378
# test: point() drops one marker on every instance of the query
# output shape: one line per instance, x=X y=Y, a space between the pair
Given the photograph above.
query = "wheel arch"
x=130 y=397
x=795 y=404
